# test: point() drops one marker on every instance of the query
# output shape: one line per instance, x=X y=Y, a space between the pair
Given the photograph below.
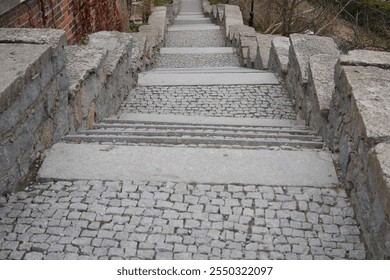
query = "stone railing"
x=345 y=98
x=48 y=89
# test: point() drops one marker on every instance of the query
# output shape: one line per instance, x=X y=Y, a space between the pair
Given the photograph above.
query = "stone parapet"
x=48 y=89
x=33 y=98
x=359 y=120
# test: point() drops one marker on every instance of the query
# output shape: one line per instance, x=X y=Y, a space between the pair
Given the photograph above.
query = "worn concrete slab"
x=179 y=119
x=195 y=50
x=194 y=27
x=222 y=166
x=152 y=78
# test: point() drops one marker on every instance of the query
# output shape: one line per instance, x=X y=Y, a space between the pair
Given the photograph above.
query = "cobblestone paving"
x=267 y=101
x=153 y=220
x=196 y=60
x=195 y=39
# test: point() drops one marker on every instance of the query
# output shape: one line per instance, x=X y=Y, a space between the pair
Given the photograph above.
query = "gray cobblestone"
x=224 y=226
x=145 y=100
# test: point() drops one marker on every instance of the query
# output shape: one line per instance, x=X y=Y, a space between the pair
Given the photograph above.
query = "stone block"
x=245 y=42
x=117 y=44
x=236 y=30
x=220 y=12
x=264 y=44
x=86 y=80
x=301 y=49
x=159 y=19
x=278 y=57
x=232 y=16
x=207 y=8
x=319 y=92
x=21 y=64
x=251 y=55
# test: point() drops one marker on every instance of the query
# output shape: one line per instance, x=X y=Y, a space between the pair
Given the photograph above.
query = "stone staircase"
x=204 y=160
x=199 y=109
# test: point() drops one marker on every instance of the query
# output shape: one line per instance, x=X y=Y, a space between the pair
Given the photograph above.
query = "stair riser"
x=135 y=127
x=198 y=134
x=193 y=141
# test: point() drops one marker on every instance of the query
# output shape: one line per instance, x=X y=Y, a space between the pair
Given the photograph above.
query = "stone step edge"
x=194 y=79
x=225 y=50
x=167 y=70
x=184 y=28
x=167 y=133
x=194 y=141
x=139 y=125
x=200 y=120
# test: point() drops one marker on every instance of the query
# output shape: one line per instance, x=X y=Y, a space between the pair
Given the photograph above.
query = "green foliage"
x=215 y=2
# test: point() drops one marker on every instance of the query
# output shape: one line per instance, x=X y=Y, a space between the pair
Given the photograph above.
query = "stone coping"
x=305 y=46
x=116 y=43
x=82 y=61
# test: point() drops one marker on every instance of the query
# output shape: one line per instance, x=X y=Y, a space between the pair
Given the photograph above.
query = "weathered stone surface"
x=83 y=61
x=319 y=92
x=33 y=88
x=301 y=49
x=368 y=88
x=159 y=19
x=234 y=33
x=380 y=166
x=21 y=63
x=264 y=44
x=56 y=38
x=366 y=58
x=278 y=59
x=232 y=16
x=117 y=44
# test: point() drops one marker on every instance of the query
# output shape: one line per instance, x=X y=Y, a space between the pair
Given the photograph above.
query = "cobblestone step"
x=200 y=60
x=240 y=101
x=194 y=39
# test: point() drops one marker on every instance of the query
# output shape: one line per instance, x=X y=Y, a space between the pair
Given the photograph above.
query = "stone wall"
x=33 y=98
x=48 y=88
x=77 y=17
x=345 y=98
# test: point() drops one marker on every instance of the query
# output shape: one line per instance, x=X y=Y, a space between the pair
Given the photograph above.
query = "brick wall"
x=76 y=17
